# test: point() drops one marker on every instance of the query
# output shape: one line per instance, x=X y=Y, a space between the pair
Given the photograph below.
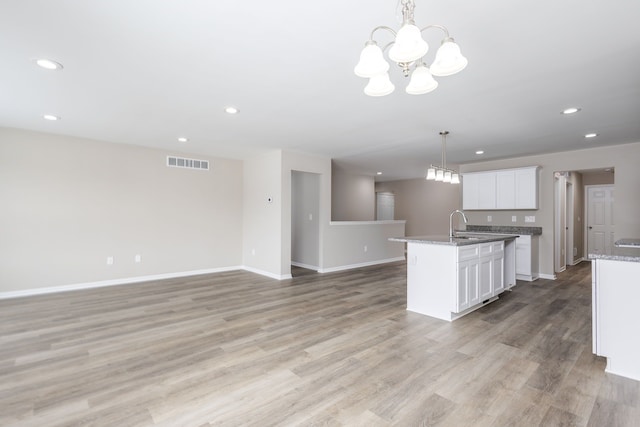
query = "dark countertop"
x=628 y=243
x=505 y=229
x=461 y=240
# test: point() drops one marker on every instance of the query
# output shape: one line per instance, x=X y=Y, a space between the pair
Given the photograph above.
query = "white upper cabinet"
x=507 y=189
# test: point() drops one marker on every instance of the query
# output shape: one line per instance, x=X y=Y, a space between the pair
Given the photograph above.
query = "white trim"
x=547 y=276
x=578 y=261
x=307 y=266
x=267 y=273
x=363 y=264
x=113 y=282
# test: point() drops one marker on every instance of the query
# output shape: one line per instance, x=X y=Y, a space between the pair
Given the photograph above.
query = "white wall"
x=69 y=203
x=262 y=225
x=627 y=181
x=353 y=196
x=425 y=205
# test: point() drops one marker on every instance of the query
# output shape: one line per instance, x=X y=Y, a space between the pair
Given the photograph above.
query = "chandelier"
x=408 y=50
x=441 y=173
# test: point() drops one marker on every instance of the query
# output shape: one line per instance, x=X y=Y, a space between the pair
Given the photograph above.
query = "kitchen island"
x=615 y=295
x=449 y=277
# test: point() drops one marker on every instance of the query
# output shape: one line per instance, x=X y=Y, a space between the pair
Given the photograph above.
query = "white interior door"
x=600 y=227
x=385 y=206
x=560 y=223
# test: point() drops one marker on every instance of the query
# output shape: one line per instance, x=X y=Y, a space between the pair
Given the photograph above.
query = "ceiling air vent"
x=181 y=162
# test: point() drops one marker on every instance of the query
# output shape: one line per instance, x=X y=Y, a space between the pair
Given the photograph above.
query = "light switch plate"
x=489 y=218
x=531 y=218
x=514 y=218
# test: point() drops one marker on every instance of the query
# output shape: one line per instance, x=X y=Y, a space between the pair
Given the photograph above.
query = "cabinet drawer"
x=468 y=252
x=491 y=248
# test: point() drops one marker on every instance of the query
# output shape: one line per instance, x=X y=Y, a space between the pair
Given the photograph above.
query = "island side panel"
x=617 y=290
x=431 y=279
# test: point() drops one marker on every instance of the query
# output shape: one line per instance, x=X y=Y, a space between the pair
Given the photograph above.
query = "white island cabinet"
x=450 y=277
x=615 y=316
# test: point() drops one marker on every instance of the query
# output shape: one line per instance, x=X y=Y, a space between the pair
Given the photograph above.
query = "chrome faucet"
x=464 y=217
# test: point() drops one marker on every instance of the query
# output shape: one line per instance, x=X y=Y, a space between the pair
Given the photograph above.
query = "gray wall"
x=425 y=205
x=627 y=180
x=69 y=203
x=352 y=196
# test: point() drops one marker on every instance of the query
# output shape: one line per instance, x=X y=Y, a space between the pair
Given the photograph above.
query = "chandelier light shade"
x=421 y=81
x=441 y=173
x=379 y=85
x=372 y=62
x=448 y=60
x=408 y=50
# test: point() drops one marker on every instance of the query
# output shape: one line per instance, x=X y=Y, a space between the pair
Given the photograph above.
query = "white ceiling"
x=148 y=71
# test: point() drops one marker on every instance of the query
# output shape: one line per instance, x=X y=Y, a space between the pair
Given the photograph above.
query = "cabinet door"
x=485 y=277
x=487 y=190
x=498 y=273
x=523 y=255
x=467 y=287
x=506 y=189
x=526 y=186
x=470 y=191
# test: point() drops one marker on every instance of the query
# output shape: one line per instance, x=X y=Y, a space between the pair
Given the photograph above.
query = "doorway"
x=572 y=237
x=305 y=220
x=599 y=219
x=385 y=206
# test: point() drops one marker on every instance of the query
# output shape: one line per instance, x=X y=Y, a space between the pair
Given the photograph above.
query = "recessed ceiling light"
x=591 y=135
x=378 y=173
x=183 y=139
x=49 y=64
x=479 y=152
x=571 y=110
x=51 y=117
x=231 y=110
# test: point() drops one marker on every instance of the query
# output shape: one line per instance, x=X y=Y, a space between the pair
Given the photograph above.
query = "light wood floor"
x=333 y=349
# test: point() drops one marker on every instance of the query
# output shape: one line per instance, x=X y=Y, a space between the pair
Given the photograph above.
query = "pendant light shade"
x=455 y=178
x=447 y=176
x=421 y=81
x=372 y=62
x=440 y=175
x=408 y=45
x=448 y=60
x=431 y=173
x=379 y=85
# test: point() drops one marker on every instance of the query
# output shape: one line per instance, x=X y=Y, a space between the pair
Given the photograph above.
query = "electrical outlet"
x=253 y=251
x=489 y=218
x=109 y=260
x=366 y=248
x=531 y=218
x=310 y=217
x=138 y=258
x=514 y=218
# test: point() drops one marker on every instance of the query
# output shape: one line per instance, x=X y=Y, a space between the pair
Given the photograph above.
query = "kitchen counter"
x=460 y=239
x=505 y=229
x=615 y=294
x=449 y=277
x=629 y=254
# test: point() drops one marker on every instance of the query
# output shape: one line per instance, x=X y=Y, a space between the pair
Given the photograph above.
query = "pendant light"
x=441 y=173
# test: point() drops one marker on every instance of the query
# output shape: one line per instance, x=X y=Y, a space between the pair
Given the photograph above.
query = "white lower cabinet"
x=527 y=258
x=480 y=274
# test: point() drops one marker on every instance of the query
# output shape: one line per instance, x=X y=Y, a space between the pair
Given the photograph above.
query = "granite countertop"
x=460 y=240
x=628 y=243
x=505 y=229
x=620 y=254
